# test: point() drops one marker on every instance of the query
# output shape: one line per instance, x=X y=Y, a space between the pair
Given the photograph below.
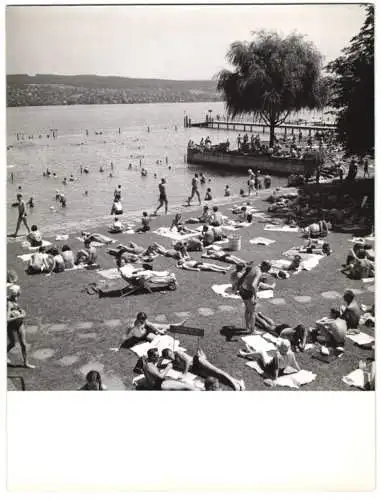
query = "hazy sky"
x=178 y=42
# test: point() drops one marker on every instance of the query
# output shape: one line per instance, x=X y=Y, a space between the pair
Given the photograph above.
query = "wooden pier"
x=248 y=127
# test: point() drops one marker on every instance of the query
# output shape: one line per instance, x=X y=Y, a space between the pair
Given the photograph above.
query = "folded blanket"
x=261 y=241
x=360 y=338
x=283 y=229
x=293 y=380
x=26 y=257
x=174 y=235
x=226 y=291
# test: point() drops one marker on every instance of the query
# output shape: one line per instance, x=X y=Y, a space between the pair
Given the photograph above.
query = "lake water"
x=72 y=148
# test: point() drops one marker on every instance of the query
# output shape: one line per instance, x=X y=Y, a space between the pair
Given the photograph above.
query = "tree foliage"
x=353 y=90
x=271 y=77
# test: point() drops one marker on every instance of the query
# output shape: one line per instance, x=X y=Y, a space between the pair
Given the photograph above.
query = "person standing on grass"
x=195 y=190
x=15 y=324
x=22 y=218
x=163 y=200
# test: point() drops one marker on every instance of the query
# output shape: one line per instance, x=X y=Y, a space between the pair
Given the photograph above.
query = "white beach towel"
x=258 y=342
x=275 y=341
x=261 y=241
x=110 y=274
x=280 y=263
x=355 y=378
x=62 y=237
x=26 y=257
x=174 y=235
x=360 y=338
x=226 y=292
x=367 y=280
x=309 y=261
x=293 y=380
x=283 y=229
x=160 y=342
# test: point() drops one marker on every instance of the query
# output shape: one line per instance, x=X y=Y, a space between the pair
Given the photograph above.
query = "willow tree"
x=272 y=77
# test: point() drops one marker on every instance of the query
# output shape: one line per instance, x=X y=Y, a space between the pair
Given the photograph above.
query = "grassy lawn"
x=70 y=332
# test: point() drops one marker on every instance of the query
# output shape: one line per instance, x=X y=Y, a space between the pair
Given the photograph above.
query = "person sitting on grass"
x=351 y=312
x=275 y=365
x=199 y=365
x=145 y=224
x=68 y=256
x=86 y=256
x=15 y=324
x=358 y=266
x=297 y=336
x=116 y=227
x=316 y=230
x=196 y=265
x=179 y=225
x=58 y=262
x=333 y=329
x=34 y=237
x=216 y=219
x=208 y=194
x=141 y=330
x=223 y=256
x=207 y=235
x=93 y=382
x=156 y=379
x=40 y=262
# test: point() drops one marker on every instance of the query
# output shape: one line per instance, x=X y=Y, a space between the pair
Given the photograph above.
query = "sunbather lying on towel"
x=179 y=253
x=196 y=265
x=199 y=365
x=297 y=336
x=281 y=272
x=156 y=379
x=100 y=238
x=223 y=256
x=142 y=330
x=274 y=365
x=204 y=217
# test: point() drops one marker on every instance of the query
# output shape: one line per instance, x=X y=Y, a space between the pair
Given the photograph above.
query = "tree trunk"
x=272 y=133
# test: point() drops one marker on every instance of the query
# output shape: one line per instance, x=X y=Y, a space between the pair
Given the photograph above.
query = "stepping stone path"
x=205 y=311
x=182 y=314
x=91 y=335
x=112 y=323
x=161 y=318
x=68 y=360
x=331 y=294
x=278 y=301
x=226 y=308
x=43 y=354
x=57 y=327
x=31 y=329
x=113 y=383
x=83 y=325
x=303 y=299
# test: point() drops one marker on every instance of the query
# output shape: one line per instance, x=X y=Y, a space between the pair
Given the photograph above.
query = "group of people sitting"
x=360 y=262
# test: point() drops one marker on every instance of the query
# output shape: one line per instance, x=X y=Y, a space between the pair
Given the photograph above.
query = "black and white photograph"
x=190 y=199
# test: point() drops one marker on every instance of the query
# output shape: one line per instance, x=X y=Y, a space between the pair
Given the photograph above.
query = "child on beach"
x=145 y=224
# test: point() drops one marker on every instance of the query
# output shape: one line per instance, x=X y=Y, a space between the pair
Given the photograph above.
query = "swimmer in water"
x=30 y=202
x=169 y=168
x=86 y=193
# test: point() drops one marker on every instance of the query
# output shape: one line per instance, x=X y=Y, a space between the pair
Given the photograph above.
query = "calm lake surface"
x=72 y=148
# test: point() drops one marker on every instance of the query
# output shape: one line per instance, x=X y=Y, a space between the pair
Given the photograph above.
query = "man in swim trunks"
x=195 y=190
x=163 y=200
x=22 y=218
